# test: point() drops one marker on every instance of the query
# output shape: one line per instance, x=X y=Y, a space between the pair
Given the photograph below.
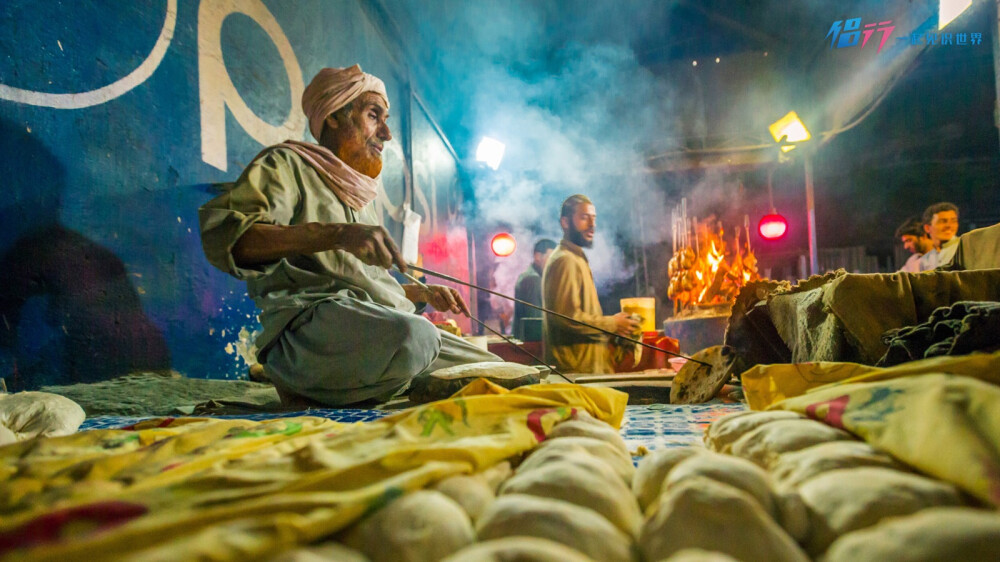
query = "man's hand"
x=626 y=325
x=443 y=299
x=371 y=244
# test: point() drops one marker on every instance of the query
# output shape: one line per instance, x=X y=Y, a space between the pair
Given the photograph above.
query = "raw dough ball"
x=578 y=457
x=470 y=492
x=648 y=480
x=614 y=457
x=764 y=444
x=496 y=474
x=702 y=513
x=31 y=414
x=574 y=483
x=518 y=549
x=699 y=555
x=792 y=515
x=724 y=431
x=421 y=526
x=563 y=522
x=577 y=428
x=321 y=553
x=738 y=473
x=943 y=533
x=792 y=469
x=841 y=501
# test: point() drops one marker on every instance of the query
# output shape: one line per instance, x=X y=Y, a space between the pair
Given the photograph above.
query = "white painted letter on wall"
x=216 y=89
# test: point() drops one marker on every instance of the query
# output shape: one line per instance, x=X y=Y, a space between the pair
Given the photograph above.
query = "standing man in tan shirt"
x=568 y=288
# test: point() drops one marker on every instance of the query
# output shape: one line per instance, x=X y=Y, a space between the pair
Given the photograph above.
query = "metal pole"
x=811 y=216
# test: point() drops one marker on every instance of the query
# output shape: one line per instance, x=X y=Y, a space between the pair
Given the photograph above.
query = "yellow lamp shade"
x=791 y=128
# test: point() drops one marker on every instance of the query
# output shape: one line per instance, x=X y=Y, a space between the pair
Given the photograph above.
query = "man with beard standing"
x=568 y=288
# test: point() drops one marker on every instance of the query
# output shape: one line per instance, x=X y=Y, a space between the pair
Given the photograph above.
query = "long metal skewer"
x=552 y=312
x=483 y=324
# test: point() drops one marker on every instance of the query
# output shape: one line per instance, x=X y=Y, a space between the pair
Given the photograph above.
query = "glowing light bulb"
x=772 y=227
x=503 y=245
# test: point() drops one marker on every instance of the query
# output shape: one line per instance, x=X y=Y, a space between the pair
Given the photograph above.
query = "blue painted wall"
x=101 y=267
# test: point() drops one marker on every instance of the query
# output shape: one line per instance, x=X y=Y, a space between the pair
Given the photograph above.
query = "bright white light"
x=490 y=151
x=951 y=9
x=694 y=63
x=716 y=60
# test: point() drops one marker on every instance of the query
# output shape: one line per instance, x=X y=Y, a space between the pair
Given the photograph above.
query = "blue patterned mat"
x=655 y=427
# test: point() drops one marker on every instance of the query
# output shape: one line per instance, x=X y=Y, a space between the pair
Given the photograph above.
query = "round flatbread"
x=443 y=383
x=697 y=383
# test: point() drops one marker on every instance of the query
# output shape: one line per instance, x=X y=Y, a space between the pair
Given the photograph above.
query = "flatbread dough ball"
x=738 y=473
x=648 y=480
x=614 y=457
x=32 y=414
x=422 y=526
x=841 y=501
x=496 y=474
x=723 y=432
x=321 y=553
x=764 y=444
x=518 y=549
x=574 y=526
x=578 y=428
x=469 y=491
x=943 y=533
x=706 y=514
x=792 y=514
x=792 y=469
x=699 y=555
x=579 y=457
x=576 y=484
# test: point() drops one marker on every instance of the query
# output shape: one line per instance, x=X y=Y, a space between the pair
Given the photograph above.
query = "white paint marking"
x=109 y=92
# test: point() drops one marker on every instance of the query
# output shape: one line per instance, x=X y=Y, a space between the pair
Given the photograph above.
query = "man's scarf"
x=330 y=90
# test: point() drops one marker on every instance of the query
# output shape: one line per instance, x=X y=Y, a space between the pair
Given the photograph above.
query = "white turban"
x=332 y=89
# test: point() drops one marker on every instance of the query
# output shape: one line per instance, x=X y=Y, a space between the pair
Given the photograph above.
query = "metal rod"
x=517 y=347
x=420 y=283
x=552 y=312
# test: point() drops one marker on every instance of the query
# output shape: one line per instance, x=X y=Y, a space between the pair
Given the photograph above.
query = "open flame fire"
x=706 y=272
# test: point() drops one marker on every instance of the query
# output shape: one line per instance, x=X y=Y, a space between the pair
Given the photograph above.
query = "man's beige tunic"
x=334 y=329
x=568 y=288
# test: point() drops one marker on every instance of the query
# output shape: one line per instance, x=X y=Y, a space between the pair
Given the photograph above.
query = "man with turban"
x=300 y=228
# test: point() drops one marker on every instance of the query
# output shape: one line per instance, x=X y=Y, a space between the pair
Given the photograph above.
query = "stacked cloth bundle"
x=959 y=329
x=230 y=489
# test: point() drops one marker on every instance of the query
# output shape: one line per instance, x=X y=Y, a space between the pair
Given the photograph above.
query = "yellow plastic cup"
x=644 y=307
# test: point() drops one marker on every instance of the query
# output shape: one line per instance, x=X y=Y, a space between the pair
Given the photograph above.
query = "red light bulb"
x=772 y=227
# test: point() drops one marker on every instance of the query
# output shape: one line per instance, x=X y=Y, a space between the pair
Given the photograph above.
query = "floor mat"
x=655 y=427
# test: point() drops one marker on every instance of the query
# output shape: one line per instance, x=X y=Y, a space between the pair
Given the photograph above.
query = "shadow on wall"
x=69 y=312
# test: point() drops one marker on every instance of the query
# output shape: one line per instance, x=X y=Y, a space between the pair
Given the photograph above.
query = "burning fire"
x=703 y=270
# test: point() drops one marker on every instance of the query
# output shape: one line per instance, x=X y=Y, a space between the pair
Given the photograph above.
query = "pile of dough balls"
x=769 y=486
x=778 y=486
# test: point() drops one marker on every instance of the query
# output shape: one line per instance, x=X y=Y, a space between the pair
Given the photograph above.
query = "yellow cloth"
x=189 y=488
x=764 y=385
x=947 y=426
x=568 y=288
